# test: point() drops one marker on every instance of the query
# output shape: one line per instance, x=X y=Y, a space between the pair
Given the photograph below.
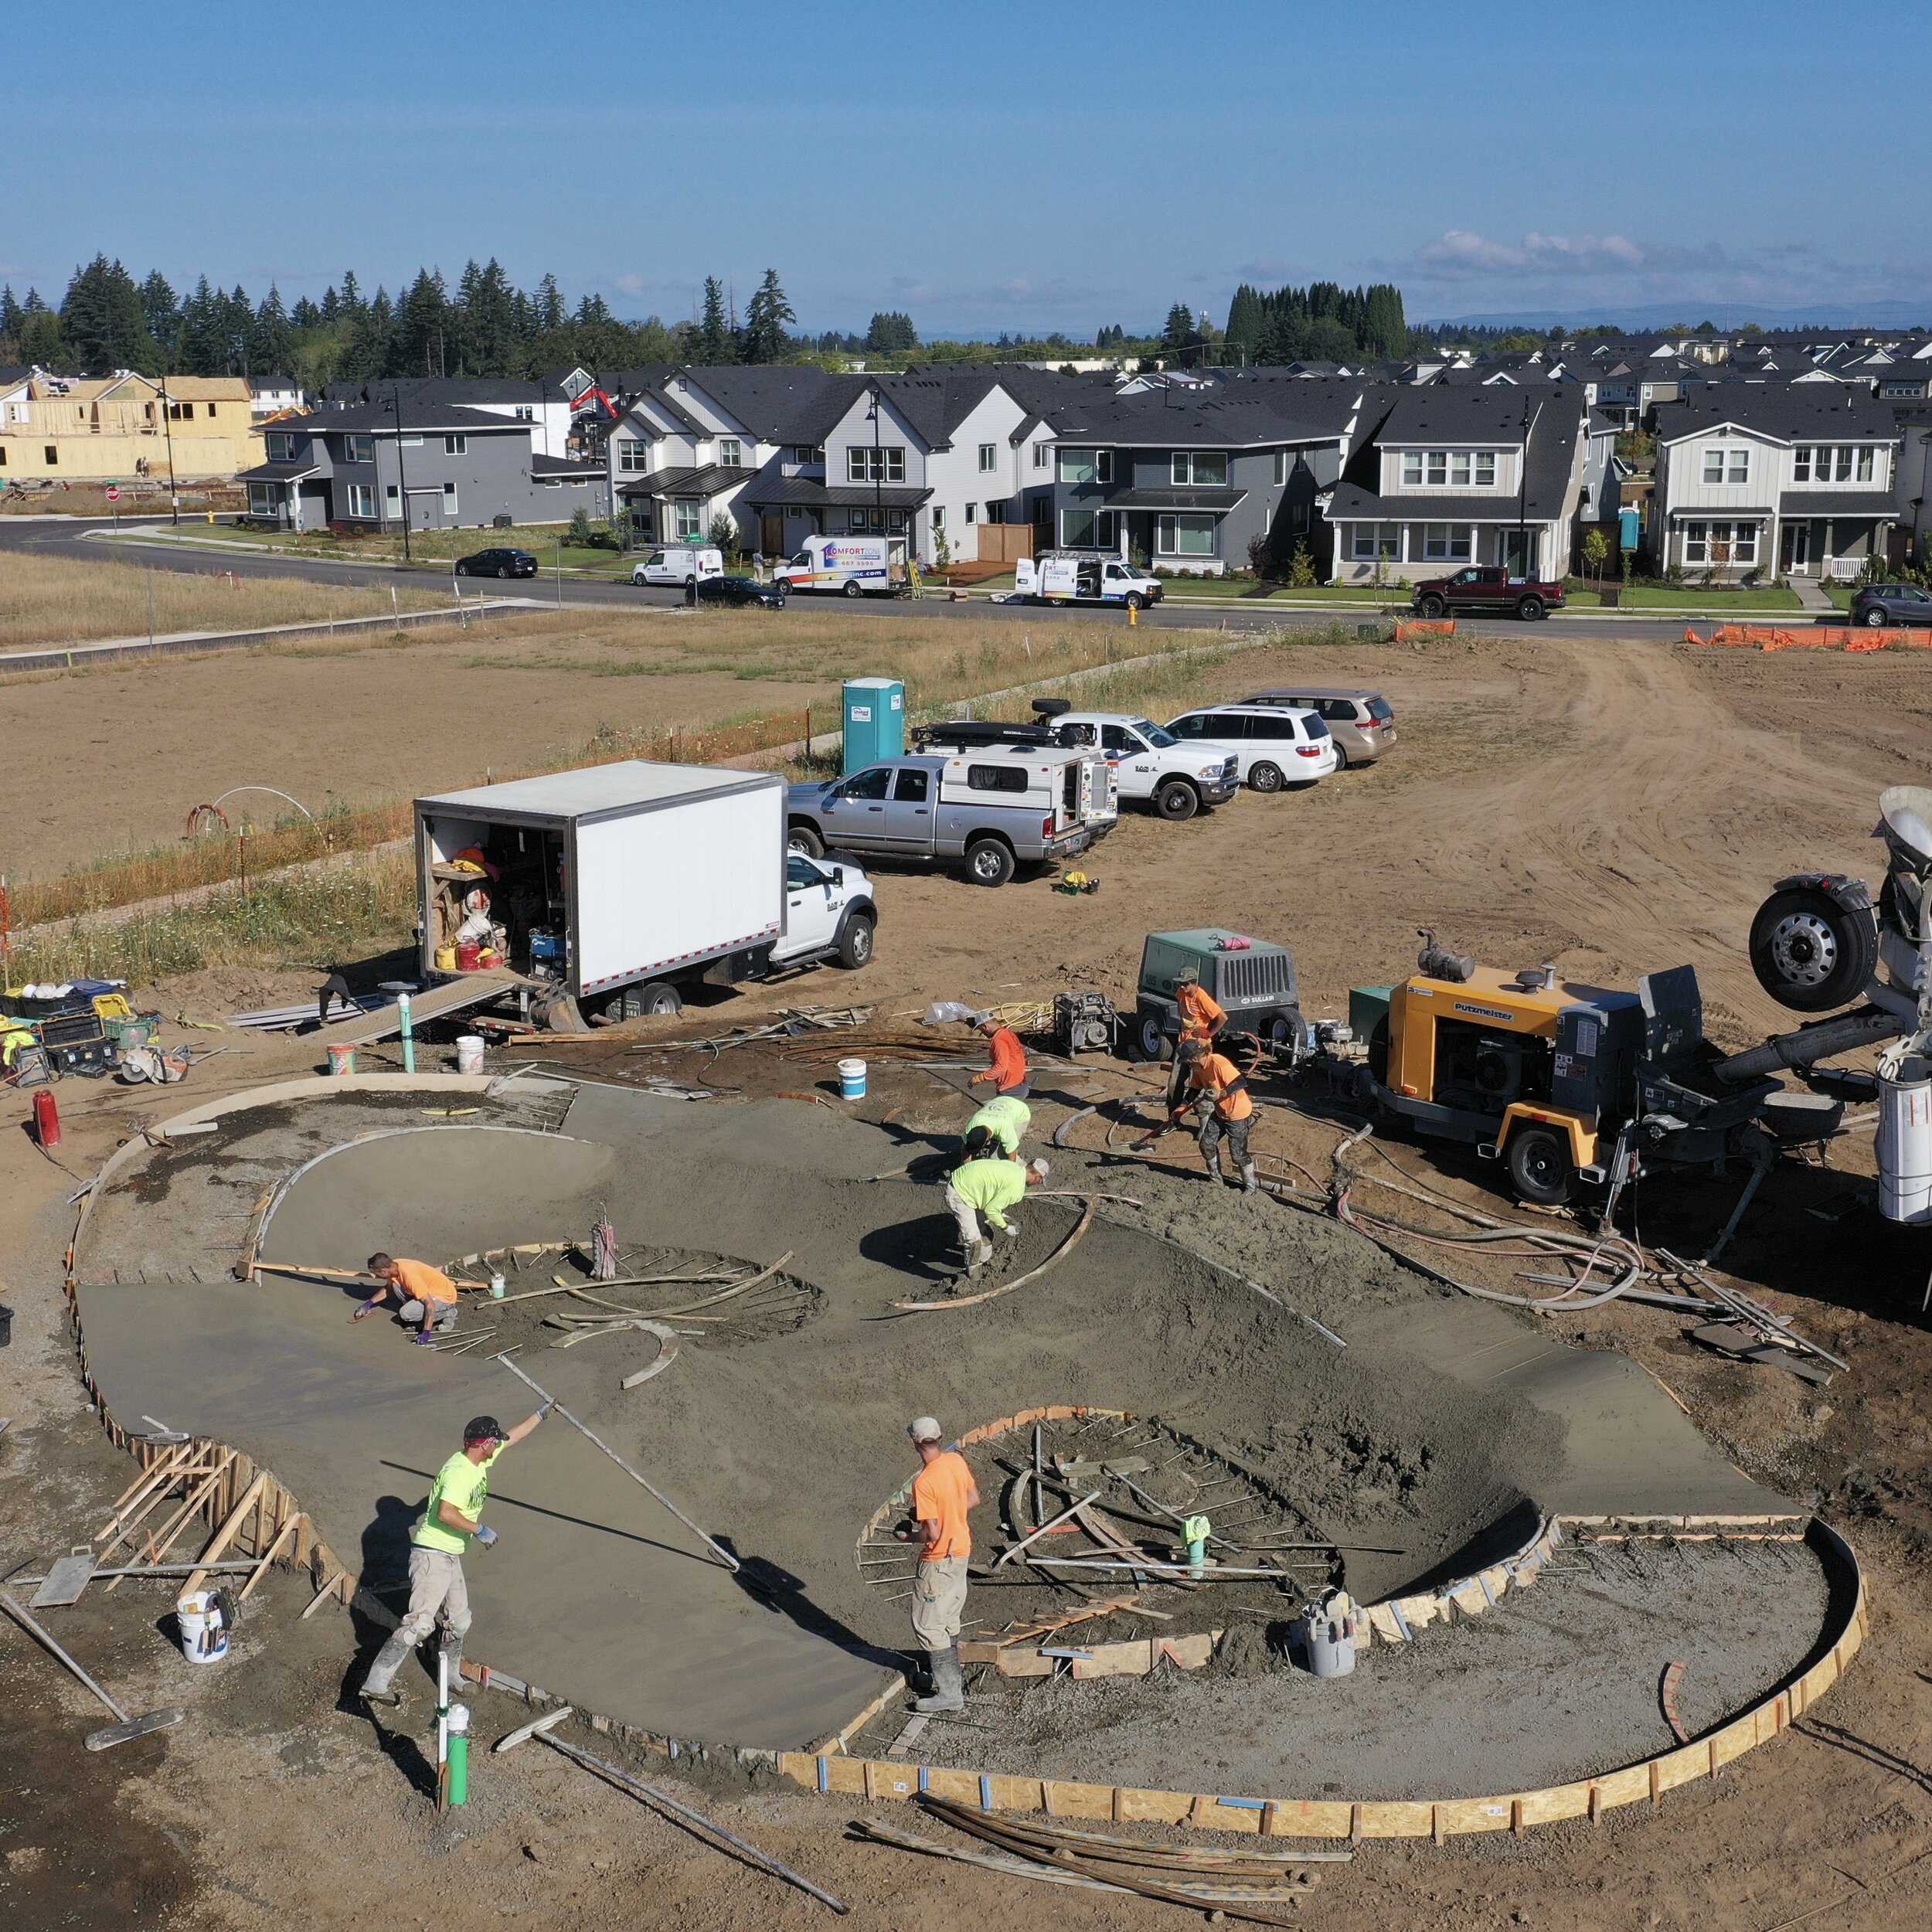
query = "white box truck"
x=615 y=885
x=1083 y=577
x=856 y=566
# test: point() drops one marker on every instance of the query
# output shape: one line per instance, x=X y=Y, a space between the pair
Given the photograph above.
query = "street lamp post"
x=401 y=473
x=878 y=469
x=1522 y=483
x=168 y=430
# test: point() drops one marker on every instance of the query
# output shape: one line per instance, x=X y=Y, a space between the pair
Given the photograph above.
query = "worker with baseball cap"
x=999 y=1124
x=1218 y=1091
x=1202 y=1016
x=425 y=1296
x=989 y=1184
x=943 y=1492
x=452 y=1521
x=1007 y=1073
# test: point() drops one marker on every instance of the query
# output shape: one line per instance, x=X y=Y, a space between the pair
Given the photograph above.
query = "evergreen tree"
x=1246 y=321
x=1179 y=328
x=11 y=315
x=550 y=311
x=1386 y=331
x=349 y=302
x=891 y=333
x=305 y=315
x=714 y=331
x=162 y=311
x=423 y=328
x=199 y=348
x=330 y=306
x=486 y=323
x=40 y=342
x=765 y=319
x=366 y=350
x=101 y=319
x=271 y=345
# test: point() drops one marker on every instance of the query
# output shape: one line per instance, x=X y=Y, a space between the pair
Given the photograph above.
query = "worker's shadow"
x=775 y=1588
x=384 y=1580
x=914 y=1247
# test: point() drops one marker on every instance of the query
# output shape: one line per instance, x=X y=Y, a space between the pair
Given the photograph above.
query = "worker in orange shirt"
x=943 y=1492
x=1203 y=1016
x=424 y=1295
x=1217 y=1091
x=1008 y=1072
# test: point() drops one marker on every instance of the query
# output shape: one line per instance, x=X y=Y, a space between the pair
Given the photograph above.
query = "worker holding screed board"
x=452 y=1520
x=943 y=1492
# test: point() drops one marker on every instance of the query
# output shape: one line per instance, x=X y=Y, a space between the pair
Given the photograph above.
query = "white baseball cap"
x=924 y=1429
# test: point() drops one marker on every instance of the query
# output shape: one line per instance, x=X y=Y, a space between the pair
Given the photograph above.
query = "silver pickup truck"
x=989 y=797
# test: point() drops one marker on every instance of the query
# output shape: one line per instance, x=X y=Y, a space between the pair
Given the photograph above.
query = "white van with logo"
x=855 y=566
x=1083 y=576
x=681 y=564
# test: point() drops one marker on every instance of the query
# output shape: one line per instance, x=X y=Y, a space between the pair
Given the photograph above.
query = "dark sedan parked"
x=497 y=563
x=740 y=590
x=1892 y=604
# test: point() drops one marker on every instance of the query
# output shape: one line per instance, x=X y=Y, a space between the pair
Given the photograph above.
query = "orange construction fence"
x=1408 y=627
x=1817 y=637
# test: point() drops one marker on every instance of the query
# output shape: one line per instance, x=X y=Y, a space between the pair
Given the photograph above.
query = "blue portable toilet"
x=1630 y=522
x=875 y=720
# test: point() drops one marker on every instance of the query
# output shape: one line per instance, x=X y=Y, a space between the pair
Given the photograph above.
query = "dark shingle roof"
x=1837 y=503
x=772 y=486
x=1788 y=411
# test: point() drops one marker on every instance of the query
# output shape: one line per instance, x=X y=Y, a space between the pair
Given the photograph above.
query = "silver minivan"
x=1362 y=723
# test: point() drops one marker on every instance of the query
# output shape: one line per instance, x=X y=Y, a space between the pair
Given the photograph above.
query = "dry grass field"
x=53 y=600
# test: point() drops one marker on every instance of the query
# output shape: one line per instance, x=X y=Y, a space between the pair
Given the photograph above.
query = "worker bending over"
x=454 y=1519
x=1008 y=1072
x=998 y=1125
x=424 y=1295
x=1217 y=1091
x=1203 y=1016
x=988 y=1186
x=943 y=1492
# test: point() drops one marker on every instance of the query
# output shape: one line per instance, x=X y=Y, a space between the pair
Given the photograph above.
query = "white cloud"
x=1461 y=254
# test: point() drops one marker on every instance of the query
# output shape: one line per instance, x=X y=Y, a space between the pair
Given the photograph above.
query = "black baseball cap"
x=482 y=1429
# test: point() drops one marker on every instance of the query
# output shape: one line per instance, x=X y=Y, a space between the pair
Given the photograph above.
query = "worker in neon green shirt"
x=1001 y=1123
x=451 y=1521
x=988 y=1187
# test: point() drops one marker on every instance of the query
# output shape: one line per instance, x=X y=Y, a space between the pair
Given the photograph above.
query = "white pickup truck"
x=1177 y=777
x=1083 y=576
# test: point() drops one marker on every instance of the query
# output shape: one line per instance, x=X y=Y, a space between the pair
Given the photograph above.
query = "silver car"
x=1362 y=723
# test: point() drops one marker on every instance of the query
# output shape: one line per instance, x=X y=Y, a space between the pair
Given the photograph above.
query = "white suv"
x=1280 y=747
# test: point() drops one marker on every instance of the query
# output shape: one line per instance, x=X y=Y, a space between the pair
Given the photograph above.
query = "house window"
x=358 y=449
x=885 y=464
x=261 y=497
x=525 y=413
x=1801 y=466
x=393 y=497
x=1438 y=469
x=1412 y=469
x=684 y=517
x=211 y=409
x=361 y=500
x=1864 y=464
x=805 y=453
x=1485 y=469
x=1374 y=542
x=939 y=519
x=281 y=448
x=449 y=499
x=972 y=513
x=1185 y=535
x=1722 y=465
x=731 y=452
x=1721 y=543
x=1280 y=468
x=409 y=442
x=1087 y=466
x=895 y=522
x=1446 y=542
x=633 y=454
x=53 y=455
x=1201 y=468
x=989 y=459
x=456 y=446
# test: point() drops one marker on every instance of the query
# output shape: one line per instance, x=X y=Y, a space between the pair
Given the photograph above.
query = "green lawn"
x=1639 y=597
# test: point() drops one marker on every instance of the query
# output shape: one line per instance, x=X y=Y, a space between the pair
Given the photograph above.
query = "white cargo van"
x=1083 y=576
x=856 y=566
x=679 y=563
x=617 y=884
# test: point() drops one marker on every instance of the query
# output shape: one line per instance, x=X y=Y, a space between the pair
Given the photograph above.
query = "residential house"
x=1457 y=474
x=274 y=395
x=442 y=467
x=541 y=403
x=191 y=428
x=1190 y=480
x=1797 y=478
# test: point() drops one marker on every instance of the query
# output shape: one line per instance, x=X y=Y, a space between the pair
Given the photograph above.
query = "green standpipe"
x=1196 y=1530
x=456 y=1786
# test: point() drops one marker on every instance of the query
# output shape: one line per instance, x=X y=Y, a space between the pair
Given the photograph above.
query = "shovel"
x=112 y=1734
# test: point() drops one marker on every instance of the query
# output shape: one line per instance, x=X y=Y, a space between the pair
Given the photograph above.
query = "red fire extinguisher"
x=47 y=1117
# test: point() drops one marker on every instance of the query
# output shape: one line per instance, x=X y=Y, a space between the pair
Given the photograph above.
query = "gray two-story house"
x=439 y=467
x=1190 y=481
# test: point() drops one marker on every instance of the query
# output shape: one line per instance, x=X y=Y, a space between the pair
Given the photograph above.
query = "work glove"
x=426 y=1341
x=1011 y=1233
x=549 y=1402
x=367 y=1308
x=485 y=1536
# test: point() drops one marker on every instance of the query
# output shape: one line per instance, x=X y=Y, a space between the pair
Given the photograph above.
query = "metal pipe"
x=1819 y=1039
x=723 y=1556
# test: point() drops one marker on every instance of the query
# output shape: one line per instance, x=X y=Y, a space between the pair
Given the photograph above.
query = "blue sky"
x=991 y=167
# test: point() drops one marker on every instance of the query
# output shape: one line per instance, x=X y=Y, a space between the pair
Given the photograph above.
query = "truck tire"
x=1148 y=1040
x=1134 y=601
x=802 y=837
x=989 y=862
x=854 y=588
x=855 y=942
x=1810 y=952
x=1432 y=606
x=1177 y=801
x=1530 y=609
x=1265 y=776
x=654 y=1000
x=1540 y=1168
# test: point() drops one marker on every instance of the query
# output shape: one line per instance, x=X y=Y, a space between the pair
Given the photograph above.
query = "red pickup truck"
x=1487 y=588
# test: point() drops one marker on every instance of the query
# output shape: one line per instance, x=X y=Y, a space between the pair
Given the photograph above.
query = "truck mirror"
x=838 y=874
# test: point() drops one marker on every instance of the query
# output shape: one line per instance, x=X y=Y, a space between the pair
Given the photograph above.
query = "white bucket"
x=852 y=1080
x=204 y=1634
x=469 y=1053
x=1905 y=1141
x=1330 y=1643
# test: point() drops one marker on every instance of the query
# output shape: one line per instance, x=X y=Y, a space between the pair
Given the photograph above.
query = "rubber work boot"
x=977 y=1256
x=382 y=1673
x=1251 y=1181
x=949 y=1683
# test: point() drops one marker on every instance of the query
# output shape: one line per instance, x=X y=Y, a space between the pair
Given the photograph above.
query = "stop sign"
x=113 y=493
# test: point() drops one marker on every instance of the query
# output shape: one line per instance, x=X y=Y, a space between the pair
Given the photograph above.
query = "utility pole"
x=168 y=430
x=1522 y=482
x=878 y=469
x=402 y=474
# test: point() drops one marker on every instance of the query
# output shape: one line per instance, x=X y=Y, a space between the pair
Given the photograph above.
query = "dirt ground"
x=1614 y=808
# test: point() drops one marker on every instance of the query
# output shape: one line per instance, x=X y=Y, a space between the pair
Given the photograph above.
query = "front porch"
x=1730 y=550
x=1407 y=553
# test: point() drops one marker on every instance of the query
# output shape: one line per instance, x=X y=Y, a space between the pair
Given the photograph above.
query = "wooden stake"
x=261 y=1568
x=225 y=1535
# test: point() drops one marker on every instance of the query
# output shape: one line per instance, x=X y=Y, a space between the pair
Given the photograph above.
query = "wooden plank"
x=1023 y=1663
x=1153 y=1807
x=197 y=1496
x=1309 y=1818
x=961 y=1786
x=1464 y=1817
x=1189 y=1652
x=282 y=1535
x=1065 y=1799
x=1555 y=1803
x=225 y=1535
x=1392 y=1820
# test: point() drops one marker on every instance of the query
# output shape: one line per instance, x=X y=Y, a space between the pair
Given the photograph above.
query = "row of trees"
x=1322 y=323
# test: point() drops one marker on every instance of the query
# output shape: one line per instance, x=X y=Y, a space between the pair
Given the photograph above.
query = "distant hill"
x=1880 y=314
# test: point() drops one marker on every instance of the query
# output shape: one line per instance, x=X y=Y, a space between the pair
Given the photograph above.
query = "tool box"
x=88 y=1058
